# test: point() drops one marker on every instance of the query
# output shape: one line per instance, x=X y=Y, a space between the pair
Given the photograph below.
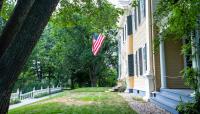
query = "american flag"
x=97 y=41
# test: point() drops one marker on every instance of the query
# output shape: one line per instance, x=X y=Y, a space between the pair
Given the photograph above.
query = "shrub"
x=41 y=95
x=14 y=101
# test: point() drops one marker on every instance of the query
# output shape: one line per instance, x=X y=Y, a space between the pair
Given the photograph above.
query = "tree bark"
x=14 y=23
x=92 y=75
x=15 y=56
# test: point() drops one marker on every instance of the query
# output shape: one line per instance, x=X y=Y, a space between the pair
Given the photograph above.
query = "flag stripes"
x=96 y=43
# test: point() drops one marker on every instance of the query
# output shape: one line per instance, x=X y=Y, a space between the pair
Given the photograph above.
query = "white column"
x=148 y=37
x=149 y=84
x=162 y=64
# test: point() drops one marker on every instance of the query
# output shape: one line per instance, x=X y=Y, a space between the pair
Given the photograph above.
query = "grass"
x=79 y=101
x=91 y=89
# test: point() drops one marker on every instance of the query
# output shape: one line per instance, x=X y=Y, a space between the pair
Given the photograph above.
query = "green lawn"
x=79 y=101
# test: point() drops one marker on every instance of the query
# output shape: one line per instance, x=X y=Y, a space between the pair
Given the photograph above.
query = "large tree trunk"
x=21 y=47
x=1 y=4
x=14 y=23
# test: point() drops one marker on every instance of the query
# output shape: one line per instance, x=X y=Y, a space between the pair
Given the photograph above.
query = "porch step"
x=177 y=95
x=170 y=98
x=163 y=104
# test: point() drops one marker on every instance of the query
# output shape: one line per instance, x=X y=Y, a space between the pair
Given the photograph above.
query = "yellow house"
x=153 y=76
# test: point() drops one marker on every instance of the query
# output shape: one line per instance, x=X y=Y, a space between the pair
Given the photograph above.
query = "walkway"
x=142 y=107
x=29 y=101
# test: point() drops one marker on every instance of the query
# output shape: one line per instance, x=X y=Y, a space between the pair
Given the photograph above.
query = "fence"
x=32 y=94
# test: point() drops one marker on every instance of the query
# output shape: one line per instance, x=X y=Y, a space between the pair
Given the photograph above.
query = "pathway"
x=142 y=107
x=30 y=100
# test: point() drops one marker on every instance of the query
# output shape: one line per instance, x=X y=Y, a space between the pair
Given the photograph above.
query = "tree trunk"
x=94 y=81
x=14 y=23
x=93 y=78
x=15 y=56
x=72 y=83
x=1 y=4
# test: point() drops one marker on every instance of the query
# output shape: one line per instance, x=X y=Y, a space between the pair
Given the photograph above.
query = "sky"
x=115 y=2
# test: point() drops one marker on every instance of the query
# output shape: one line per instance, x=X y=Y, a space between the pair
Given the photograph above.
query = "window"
x=140 y=61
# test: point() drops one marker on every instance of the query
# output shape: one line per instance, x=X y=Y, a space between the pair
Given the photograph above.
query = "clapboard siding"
x=130 y=44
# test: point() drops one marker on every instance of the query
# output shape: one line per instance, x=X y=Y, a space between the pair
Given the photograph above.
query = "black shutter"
x=130 y=65
x=123 y=36
x=136 y=63
x=140 y=61
x=144 y=8
x=129 y=23
x=139 y=13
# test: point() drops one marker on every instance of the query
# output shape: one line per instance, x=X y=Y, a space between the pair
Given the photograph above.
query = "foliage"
x=190 y=76
x=134 y=3
x=177 y=16
x=82 y=103
x=80 y=20
x=14 y=101
x=190 y=108
x=64 y=50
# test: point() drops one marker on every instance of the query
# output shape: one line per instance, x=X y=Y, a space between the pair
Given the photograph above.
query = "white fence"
x=32 y=94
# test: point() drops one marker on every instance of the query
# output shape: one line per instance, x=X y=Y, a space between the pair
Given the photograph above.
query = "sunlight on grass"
x=79 y=102
x=92 y=89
